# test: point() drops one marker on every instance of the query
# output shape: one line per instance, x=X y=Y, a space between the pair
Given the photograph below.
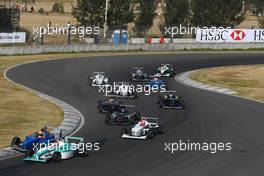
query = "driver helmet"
x=122 y=109
x=171 y=95
x=142 y=122
x=40 y=134
x=110 y=100
x=45 y=129
x=138 y=72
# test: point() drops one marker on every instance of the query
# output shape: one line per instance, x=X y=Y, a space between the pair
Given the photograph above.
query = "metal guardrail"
x=26 y=50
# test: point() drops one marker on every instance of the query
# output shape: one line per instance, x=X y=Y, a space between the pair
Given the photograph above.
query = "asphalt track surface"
x=209 y=117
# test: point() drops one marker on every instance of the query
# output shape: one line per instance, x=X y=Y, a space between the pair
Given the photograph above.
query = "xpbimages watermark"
x=81 y=147
x=130 y=88
x=185 y=146
x=174 y=31
x=81 y=31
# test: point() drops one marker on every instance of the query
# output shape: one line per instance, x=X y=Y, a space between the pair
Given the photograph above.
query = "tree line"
x=218 y=13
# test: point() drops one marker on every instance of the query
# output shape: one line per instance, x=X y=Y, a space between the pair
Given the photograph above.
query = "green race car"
x=59 y=150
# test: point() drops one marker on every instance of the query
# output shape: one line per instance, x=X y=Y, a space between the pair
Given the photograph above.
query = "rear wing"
x=150 y=120
x=98 y=73
x=58 y=132
x=169 y=65
x=78 y=139
x=141 y=68
x=121 y=83
x=167 y=91
x=154 y=76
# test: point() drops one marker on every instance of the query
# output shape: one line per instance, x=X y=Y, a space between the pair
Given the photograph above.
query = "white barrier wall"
x=144 y=47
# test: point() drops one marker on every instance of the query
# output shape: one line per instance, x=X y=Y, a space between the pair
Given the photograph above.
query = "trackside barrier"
x=23 y=50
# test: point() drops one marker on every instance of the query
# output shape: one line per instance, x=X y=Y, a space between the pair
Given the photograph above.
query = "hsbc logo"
x=230 y=35
x=238 y=35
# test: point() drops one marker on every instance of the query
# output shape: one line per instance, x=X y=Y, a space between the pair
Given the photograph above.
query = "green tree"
x=89 y=12
x=259 y=4
x=219 y=13
x=145 y=19
x=176 y=12
x=120 y=13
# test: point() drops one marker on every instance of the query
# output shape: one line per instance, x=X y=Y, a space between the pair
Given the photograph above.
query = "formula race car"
x=57 y=151
x=165 y=70
x=156 y=83
x=147 y=128
x=123 y=90
x=169 y=99
x=126 y=116
x=138 y=74
x=98 y=79
x=108 y=106
x=39 y=137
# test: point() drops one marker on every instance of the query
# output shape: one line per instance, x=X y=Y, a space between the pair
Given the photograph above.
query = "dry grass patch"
x=248 y=81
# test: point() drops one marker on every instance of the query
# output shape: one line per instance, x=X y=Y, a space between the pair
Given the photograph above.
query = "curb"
x=185 y=79
x=73 y=119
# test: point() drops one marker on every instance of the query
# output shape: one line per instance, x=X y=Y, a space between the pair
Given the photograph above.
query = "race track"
x=209 y=117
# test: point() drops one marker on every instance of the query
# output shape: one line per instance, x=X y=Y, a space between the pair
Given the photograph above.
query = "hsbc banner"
x=16 y=37
x=230 y=35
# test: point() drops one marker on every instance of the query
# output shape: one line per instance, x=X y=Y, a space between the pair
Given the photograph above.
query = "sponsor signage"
x=230 y=35
x=16 y=37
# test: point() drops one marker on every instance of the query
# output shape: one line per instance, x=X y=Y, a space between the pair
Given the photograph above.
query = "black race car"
x=125 y=116
x=108 y=106
x=138 y=74
x=169 y=100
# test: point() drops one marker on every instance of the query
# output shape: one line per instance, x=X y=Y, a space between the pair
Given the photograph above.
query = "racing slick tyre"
x=138 y=116
x=161 y=129
x=150 y=134
x=29 y=153
x=99 y=109
x=84 y=154
x=56 y=157
x=124 y=131
x=183 y=105
x=81 y=154
x=107 y=119
x=90 y=82
x=132 y=120
x=15 y=141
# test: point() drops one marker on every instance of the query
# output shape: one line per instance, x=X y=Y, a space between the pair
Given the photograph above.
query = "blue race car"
x=156 y=83
x=41 y=137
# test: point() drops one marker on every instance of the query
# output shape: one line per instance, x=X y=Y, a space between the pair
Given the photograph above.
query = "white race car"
x=122 y=90
x=144 y=129
x=98 y=79
x=165 y=70
x=138 y=74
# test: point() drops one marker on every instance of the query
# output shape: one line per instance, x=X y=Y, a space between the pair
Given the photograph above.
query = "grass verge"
x=248 y=81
